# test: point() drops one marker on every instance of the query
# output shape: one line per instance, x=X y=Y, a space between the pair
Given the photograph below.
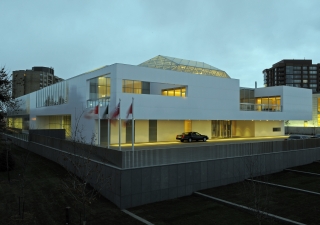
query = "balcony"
x=260 y=107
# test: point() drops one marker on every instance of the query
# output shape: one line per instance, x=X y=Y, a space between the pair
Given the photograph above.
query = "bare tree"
x=256 y=194
x=7 y=104
x=85 y=178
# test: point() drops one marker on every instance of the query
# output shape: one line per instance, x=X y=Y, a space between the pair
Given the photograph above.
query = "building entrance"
x=221 y=128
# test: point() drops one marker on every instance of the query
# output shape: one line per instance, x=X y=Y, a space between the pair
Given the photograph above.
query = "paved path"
x=178 y=144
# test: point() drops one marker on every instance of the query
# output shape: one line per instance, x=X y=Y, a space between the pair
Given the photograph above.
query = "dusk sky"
x=240 y=37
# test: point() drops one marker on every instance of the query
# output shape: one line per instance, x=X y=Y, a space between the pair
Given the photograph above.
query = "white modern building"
x=170 y=95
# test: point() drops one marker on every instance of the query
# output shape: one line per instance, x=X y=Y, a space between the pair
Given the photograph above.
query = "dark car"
x=316 y=136
x=297 y=137
x=191 y=136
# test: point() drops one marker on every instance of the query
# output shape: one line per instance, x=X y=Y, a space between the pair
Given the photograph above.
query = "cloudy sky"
x=238 y=36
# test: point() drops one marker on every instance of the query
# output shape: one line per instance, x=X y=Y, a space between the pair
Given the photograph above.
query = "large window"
x=269 y=103
x=61 y=122
x=135 y=86
x=153 y=88
x=55 y=94
x=100 y=87
x=15 y=122
x=247 y=95
x=176 y=92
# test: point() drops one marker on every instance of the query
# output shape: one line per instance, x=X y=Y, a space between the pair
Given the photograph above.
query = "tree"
x=6 y=100
x=85 y=178
x=257 y=195
x=7 y=162
x=6 y=103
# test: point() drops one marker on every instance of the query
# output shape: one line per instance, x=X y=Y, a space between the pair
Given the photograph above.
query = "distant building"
x=27 y=81
x=295 y=73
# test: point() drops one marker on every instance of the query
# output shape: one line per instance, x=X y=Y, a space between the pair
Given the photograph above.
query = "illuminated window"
x=269 y=103
x=135 y=86
x=100 y=87
x=176 y=92
x=15 y=123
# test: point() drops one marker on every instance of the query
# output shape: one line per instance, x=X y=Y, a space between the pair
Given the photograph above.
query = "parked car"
x=297 y=137
x=316 y=136
x=191 y=136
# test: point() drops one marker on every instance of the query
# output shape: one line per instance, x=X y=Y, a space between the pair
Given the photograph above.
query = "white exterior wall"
x=202 y=126
x=308 y=123
x=265 y=128
x=141 y=131
x=245 y=128
x=167 y=130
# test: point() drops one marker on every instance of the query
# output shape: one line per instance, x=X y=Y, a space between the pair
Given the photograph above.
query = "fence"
x=154 y=157
x=21 y=136
x=110 y=156
x=302 y=130
x=143 y=158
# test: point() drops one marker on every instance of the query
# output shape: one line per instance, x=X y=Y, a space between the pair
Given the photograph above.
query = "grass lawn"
x=193 y=210
x=296 y=180
x=294 y=205
x=45 y=200
x=312 y=168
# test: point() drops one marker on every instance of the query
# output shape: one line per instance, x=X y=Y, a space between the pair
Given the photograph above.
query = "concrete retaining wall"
x=137 y=186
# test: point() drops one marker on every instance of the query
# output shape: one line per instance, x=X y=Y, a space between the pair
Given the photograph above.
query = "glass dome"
x=182 y=65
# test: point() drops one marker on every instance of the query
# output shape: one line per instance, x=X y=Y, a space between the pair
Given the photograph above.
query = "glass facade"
x=100 y=87
x=247 y=95
x=135 y=86
x=269 y=103
x=182 y=65
x=61 y=122
x=56 y=94
x=176 y=92
x=15 y=122
x=153 y=88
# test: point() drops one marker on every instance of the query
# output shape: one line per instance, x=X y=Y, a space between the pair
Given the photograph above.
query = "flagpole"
x=99 y=136
x=119 y=125
x=108 y=127
x=132 y=126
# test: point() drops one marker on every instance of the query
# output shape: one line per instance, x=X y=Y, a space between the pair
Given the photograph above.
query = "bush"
x=3 y=161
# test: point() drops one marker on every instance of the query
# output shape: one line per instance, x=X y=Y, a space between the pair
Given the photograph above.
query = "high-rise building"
x=27 y=81
x=296 y=73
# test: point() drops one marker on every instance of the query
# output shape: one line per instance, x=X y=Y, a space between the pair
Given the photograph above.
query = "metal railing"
x=184 y=154
x=21 y=136
x=260 y=107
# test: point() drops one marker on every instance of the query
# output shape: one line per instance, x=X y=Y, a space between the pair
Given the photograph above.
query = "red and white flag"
x=96 y=109
x=129 y=111
x=91 y=113
x=115 y=114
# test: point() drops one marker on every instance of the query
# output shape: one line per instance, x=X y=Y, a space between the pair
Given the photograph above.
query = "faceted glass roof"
x=182 y=65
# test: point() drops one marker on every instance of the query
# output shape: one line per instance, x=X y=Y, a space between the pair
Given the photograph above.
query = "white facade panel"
x=168 y=129
x=265 y=128
x=202 y=127
x=142 y=131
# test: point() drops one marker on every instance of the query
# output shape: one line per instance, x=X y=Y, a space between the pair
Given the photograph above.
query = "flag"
x=106 y=112
x=91 y=113
x=129 y=111
x=115 y=114
x=96 y=109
